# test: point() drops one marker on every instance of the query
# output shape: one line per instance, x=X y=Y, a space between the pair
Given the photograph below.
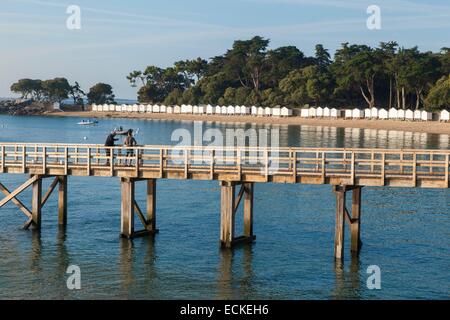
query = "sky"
x=118 y=36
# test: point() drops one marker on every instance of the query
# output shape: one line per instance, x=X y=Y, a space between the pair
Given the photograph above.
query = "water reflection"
x=347 y=283
x=137 y=266
x=235 y=276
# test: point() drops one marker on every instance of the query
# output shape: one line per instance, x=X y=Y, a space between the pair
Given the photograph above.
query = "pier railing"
x=355 y=166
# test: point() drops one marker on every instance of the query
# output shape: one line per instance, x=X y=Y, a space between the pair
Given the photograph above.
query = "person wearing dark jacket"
x=110 y=143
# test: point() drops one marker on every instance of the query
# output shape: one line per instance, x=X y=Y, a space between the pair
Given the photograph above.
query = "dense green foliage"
x=101 y=93
x=439 y=96
x=251 y=74
x=53 y=90
x=59 y=89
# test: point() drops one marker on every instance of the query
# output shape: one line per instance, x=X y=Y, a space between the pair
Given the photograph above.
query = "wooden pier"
x=346 y=170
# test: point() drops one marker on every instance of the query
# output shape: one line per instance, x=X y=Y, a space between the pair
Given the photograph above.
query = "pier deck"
x=345 y=169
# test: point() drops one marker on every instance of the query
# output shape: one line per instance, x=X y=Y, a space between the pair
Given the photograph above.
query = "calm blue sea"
x=404 y=231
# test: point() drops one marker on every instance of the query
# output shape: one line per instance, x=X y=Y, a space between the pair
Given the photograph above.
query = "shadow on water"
x=235 y=276
x=347 y=283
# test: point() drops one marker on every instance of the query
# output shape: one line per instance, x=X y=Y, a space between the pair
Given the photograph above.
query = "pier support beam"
x=355 y=225
x=151 y=205
x=340 y=222
x=62 y=200
x=229 y=206
x=130 y=207
x=36 y=203
x=354 y=220
x=127 y=208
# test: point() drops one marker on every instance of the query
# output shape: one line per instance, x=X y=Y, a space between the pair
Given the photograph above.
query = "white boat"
x=87 y=122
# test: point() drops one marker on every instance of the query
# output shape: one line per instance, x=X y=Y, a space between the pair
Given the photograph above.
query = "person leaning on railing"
x=129 y=141
x=110 y=143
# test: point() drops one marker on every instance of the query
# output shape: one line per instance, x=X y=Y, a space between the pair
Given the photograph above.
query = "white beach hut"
x=393 y=114
x=304 y=113
x=201 y=109
x=348 y=113
x=417 y=115
x=177 y=109
x=129 y=108
x=367 y=113
x=217 y=110
x=94 y=107
x=142 y=108
x=163 y=109
x=286 y=112
x=117 y=108
x=357 y=113
x=444 y=115
x=260 y=111
x=135 y=108
x=254 y=111
x=276 y=112
x=169 y=110
x=335 y=113
x=123 y=108
x=426 y=116
x=319 y=112
x=223 y=110
x=112 y=107
x=195 y=110
x=237 y=109
x=409 y=115
x=209 y=109
x=156 y=108
x=99 y=108
x=383 y=114
x=374 y=113
x=400 y=114
x=230 y=110
x=312 y=112
x=267 y=111
x=149 y=108
x=245 y=110
x=326 y=112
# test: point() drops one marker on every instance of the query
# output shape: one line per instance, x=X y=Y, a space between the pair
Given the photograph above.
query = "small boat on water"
x=87 y=122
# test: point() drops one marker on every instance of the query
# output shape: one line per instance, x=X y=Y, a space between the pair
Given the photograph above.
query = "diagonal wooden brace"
x=16 y=201
x=19 y=190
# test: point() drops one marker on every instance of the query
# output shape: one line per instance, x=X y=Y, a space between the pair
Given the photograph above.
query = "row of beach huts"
x=189 y=109
x=333 y=113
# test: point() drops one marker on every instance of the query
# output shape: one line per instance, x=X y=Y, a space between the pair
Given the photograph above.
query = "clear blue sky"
x=120 y=36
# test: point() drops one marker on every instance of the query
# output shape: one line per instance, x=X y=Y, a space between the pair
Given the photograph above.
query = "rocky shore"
x=24 y=107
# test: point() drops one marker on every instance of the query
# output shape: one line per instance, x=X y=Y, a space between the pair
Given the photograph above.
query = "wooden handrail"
x=236 y=161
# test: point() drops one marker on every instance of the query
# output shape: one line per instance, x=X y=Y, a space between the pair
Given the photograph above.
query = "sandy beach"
x=423 y=127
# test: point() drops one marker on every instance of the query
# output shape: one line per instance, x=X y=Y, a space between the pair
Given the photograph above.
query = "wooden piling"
x=227 y=217
x=151 y=205
x=62 y=200
x=36 y=203
x=127 y=208
x=229 y=206
x=340 y=220
x=248 y=210
x=356 y=221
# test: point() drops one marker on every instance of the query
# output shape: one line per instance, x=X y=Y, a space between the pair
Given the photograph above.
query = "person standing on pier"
x=129 y=141
x=110 y=143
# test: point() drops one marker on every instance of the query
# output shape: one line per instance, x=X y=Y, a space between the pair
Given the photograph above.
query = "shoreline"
x=393 y=125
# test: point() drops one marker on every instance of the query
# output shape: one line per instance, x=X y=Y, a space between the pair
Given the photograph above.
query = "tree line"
x=251 y=74
x=59 y=89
